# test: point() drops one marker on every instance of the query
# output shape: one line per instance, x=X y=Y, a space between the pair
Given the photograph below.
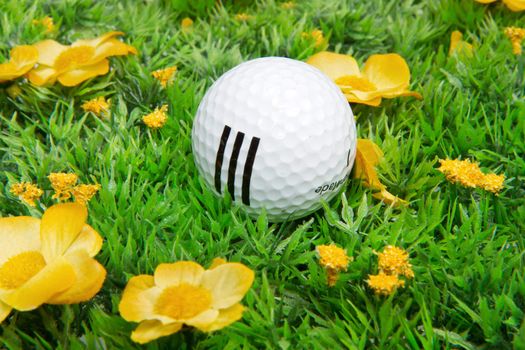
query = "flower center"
x=74 y=57
x=20 y=268
x=183 y=301
x=355 y=83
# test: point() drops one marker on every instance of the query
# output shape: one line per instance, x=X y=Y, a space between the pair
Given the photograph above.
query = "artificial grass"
x=466 y=246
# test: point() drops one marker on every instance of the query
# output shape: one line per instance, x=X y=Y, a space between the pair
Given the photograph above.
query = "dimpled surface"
x=305 y=131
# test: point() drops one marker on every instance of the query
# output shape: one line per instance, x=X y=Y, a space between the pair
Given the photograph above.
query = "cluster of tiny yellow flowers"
x=316 y=36
x=186 y=23
x=288 y=5
x=83 y=193
x=46 y=22
x=469 y=174
x=62 y=184
x=243 y=17
x=27 y=192
x=97 y=106
x=165 y=75
x=157 y=118
x=393 y=262
x=516 y=36
x=333 y=259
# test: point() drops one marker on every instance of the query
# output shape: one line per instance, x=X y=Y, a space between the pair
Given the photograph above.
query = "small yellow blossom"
x=469 y=175
x=184 y=293
x=516 y=36
x=14 y=91
x=46 y=22
x=316 y=36
x=394 y=261
x=384 y=284
x=288 y=5
x=243 y=17
x=63 y=184
x=457 y=45
x=157 y=118
x=83 y=193
x=97 y=106
x=27 y=192
x=333 y=259
x=165 y=75
x=186 y=23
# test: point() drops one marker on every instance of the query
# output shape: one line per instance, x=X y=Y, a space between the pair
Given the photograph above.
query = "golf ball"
x=275 y=133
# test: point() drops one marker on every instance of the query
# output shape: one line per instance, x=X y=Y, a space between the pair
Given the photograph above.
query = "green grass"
x=466 y=246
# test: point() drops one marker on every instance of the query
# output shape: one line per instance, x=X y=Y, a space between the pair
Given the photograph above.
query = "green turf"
x=466 y=246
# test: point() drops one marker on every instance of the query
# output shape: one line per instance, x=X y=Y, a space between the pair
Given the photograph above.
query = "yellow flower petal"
x=388 y=72
x=88 y=240
x=97 y=41
x=203 y=320
x=515 y=5
x=22 y=59
x=79 y=75
x=485 y=1
x=138 y=300
x=18 y=234
x=61 y=225
x=217 y=262
x=458 y=45
x=182 y=271
x=48 y=51
x=354 y=99
x=389 y=198
x=334 y=65
x=55 y=277
x=151 y=330
x=228 y=283
x=225 y=318
x=42 y=75
x=5 y=310
x=112 y=47
x=89 y=278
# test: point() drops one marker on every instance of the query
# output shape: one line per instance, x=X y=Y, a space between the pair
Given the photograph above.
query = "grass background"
x=466 y=246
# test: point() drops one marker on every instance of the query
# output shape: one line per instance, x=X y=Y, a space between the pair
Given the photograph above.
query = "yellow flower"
x=157 y=118
x=513 y=5
x=333 y=259
x=516 y=36
x=46 y=22
x=22 y=59
x=459 y=46
x=384 y=284
x=316 y=36
x=14 y=91
x=97 y=106
x=243 y=17
x=63 y=184
x=27 y=192
x=384 y=76
x=165 y=75
x=71 y=65
x=288 y=5
x=83 y=193
x=394 y=261
x=470 y=175
x=186 y=23
x=368 y=156
x=184 y=293
x=49 y=260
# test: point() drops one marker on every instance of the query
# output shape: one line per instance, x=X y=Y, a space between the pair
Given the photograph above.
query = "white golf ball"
x=275 y=133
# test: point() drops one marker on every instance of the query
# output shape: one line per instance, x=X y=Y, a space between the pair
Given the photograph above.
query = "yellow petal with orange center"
x=74 y=57
x=89 y=278
x=188 y=272
x=97 y=41
x=151 y=330
x=5 y=310
x=138 y=300
x=183 y=301
x=55 y=277
x=79 y=75
x=42 y=75
x=225 y=318
x=60 y=227
x=88 y=240
x=388 y=72
x=48 y=51
x=515 y=5
x=228 y=283
x=17 y=235
x=334 y=65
